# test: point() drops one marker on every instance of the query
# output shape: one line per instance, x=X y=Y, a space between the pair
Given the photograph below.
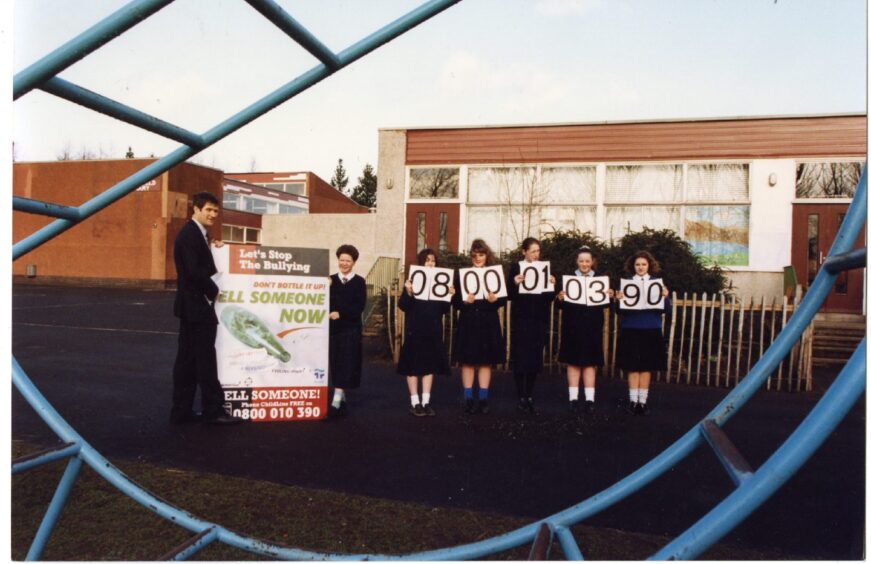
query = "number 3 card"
x=431 y=283
x=536 y=277
x=480 y=281
x=586 y=290
x=642 y=294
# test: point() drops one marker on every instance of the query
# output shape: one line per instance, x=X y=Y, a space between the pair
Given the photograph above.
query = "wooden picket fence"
x=711 y=340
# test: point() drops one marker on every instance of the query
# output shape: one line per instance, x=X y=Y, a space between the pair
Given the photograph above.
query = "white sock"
x=426 y=397
x=633 y=395
x=338 y=396
x=415 y=399
x=573 y=393
x=642 y=396
x=590 y=394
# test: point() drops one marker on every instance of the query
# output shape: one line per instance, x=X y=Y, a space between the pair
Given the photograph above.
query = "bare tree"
x=252 y=166
x=524 y=192
x=66 y=152
x=827 y=180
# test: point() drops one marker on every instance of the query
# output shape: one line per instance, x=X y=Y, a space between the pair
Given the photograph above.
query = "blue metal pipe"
x=228 y=126
x=791 y=455
x=205 y=539
x=295 y=30
x=61 y=494
x=83 y=44
x=38 y=207
x=46 y=457
x=846 y=261
x=567 y=543
x=99 y=103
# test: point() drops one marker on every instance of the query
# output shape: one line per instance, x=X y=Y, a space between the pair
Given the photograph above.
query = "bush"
x=682 y=270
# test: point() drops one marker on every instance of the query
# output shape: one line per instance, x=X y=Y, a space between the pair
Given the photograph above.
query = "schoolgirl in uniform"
x=347 y=301
x=423 y=351
x=529 y=319
x=581 y=338
x=478 y=339
x=640 y=345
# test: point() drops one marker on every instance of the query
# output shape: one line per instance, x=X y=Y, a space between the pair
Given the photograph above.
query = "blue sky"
x=481 y=62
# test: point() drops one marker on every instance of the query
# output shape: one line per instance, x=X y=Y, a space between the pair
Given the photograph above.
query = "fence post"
x=710 y=338
x=671 y=339
x=683 y=325
x=720 y=340
x=740 y=341
x=731 y=341
x=692 y=340
x=750 y=339
x=782 y=325
x=762 y=340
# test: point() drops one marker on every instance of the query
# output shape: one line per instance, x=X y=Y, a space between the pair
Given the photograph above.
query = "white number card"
x=641 y=294
x=586 y=290
x=536 y=277
x=431 y=283
x=481 y=281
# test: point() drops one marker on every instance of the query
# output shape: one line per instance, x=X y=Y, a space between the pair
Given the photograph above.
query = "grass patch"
x=100 y=523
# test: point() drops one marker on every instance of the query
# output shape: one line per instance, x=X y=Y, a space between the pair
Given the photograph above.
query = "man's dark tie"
x=344 y=280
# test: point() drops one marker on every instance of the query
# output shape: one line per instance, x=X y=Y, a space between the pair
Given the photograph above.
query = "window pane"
x=231 y=201
x=443 y=232
x=428 y=183
x=827 y=180
x=485 y=223
x=643 y=183
x=564 y=218
x=721 y=234
x=622 y=220
x=421 y=231
x=569 y=185
x=297 y=188
x=252 y=235
x=718 y=182
x=813 y=247
x=226 y=232
x=515 y=186
x=254 y=205
x=518 y=224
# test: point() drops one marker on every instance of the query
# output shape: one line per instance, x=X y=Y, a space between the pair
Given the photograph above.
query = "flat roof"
x=623 y=122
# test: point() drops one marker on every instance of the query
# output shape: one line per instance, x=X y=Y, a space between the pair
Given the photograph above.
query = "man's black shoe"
x=483 y=407
x=184 y=419
x=222 y=419
x=573 y=406
x=589 y=406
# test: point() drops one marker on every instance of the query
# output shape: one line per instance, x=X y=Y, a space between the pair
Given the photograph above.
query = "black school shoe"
x=428 y=410
x=417 y=410
x=632 y=408
x=483 y=407
x=589 y=406
x=573 y=407
x=642 y=409
x=470 y=408
x=523 y=405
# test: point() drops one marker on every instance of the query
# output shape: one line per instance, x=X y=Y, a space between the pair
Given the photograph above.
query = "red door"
x=814 y=227
x=436 y=226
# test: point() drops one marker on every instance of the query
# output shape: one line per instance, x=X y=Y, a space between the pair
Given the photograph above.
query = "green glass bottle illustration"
x=249 y=329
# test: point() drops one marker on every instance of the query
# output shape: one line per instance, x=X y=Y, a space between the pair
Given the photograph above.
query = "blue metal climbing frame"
x=752 y=488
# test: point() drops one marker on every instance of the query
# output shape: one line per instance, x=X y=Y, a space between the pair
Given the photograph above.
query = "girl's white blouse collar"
x=645 y=277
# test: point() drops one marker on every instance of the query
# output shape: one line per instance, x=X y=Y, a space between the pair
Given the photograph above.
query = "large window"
x=708 y=204
x=239 y=234
x=827 y=180
x=232 y=201
x=434 y=183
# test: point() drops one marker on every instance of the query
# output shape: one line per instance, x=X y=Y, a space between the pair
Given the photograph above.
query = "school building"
x=131 y=241
x=753 y=195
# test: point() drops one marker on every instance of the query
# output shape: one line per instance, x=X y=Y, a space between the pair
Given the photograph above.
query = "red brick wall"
x=326 y=199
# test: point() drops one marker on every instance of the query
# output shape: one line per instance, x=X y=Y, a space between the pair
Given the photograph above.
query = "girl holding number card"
x=529 y=318
x=581 y=338
x=640 y=345
x=423 y=352
x=478 y=339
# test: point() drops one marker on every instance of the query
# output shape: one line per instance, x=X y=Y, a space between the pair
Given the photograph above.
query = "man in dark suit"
x=196 y=361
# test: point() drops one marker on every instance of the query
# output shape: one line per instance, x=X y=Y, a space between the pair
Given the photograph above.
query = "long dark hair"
x=421 y=256
x=629 y=266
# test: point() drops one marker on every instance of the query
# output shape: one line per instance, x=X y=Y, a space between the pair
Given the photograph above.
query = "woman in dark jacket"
x=581 y=337
x=529 y=318
x=347 y=301
x=478 y=339
x=640 y=345
x=423 y=351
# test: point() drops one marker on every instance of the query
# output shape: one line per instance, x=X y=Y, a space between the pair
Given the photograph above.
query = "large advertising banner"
x=273 y=335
